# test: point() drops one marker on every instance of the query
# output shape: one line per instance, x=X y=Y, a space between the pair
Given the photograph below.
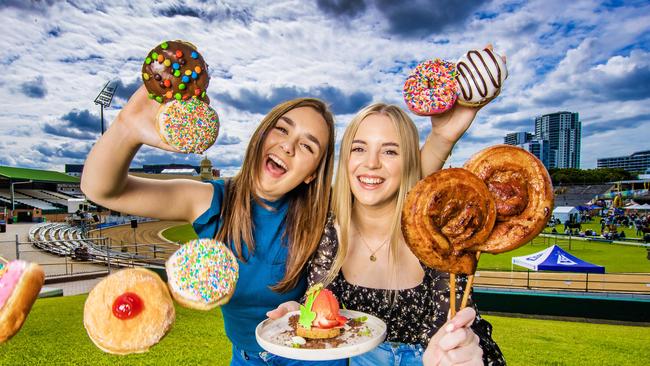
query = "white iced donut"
x=481 y=74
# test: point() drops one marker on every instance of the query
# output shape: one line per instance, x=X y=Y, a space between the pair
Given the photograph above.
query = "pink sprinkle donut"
x=431 y=88
x=191 y=126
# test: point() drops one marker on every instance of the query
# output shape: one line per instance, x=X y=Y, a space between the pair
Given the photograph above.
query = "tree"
x=588 y=176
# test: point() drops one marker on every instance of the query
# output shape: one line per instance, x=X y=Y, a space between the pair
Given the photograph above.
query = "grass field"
x=54 y=335
x=180 y=234
x=594 y=225
x=617 y=258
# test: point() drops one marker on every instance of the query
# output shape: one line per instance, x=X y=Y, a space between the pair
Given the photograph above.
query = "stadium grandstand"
x=28 y=194
x=579 y=195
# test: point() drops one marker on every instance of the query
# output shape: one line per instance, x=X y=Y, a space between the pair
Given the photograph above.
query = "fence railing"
x=108 y=254
x=100 y=256
x=584 y=282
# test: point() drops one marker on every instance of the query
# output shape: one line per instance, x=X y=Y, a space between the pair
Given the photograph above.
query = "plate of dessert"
x=321 y=331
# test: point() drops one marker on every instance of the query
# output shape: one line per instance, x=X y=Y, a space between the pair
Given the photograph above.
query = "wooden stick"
x=452 y=295
x=4 y=260
x=468 y=285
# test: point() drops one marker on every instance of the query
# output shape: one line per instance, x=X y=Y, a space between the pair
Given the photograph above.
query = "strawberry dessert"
x=319 y=316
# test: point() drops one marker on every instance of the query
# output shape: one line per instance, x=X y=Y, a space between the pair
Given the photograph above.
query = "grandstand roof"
x=35 y=175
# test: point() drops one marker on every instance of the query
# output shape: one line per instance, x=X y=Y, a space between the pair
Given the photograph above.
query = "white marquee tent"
x=564 y=213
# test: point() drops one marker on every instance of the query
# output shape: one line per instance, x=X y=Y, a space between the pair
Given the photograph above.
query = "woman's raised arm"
x=105 y=178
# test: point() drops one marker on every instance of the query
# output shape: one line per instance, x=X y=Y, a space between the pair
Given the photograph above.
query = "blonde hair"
x=342 y=198
x=308 y=203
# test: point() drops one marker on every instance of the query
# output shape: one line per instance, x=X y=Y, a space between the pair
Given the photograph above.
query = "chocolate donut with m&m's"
x=175 y=70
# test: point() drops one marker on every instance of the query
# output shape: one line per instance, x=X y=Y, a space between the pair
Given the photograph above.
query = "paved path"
x=53 y=265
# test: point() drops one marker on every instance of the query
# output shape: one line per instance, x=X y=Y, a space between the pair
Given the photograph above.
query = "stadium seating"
x=45 y=196
x=63 y=239
x=27 y=200
x=578 y=195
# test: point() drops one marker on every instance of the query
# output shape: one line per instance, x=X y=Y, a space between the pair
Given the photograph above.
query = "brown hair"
x=308 y=203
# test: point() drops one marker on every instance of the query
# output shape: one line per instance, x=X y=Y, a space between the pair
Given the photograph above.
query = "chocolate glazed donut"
x=446 y=214
x=522 y=191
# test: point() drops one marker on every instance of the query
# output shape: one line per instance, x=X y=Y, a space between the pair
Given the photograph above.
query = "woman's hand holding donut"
x=446 y=129
x=283 y=309
x=455 y=343
x=138 y=117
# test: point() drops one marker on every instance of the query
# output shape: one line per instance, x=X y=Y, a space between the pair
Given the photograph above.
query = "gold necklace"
x=372 y=252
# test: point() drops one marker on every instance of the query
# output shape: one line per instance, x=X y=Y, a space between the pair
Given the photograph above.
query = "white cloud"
x=577 y=59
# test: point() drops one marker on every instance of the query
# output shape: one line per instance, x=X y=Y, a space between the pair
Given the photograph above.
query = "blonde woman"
x=271 y=213
x=363 y=258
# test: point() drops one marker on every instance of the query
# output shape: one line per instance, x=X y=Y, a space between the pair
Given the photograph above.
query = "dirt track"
x=146 y=238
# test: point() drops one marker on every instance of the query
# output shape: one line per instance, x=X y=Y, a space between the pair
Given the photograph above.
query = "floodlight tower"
x=105 y=97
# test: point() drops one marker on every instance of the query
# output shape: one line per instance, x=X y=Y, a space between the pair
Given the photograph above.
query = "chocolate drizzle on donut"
x=466 y=73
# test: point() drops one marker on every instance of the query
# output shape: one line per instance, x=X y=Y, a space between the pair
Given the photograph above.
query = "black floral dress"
x=414 y=315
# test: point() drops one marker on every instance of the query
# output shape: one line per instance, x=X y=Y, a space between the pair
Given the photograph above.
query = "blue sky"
x=588 y=57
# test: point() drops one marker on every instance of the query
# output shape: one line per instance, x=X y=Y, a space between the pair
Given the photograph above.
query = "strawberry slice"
x=326 y=323
x=341 y=319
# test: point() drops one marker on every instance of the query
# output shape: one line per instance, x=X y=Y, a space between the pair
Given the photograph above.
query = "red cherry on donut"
x=127 y=306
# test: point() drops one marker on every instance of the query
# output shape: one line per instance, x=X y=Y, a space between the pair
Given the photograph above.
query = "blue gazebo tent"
x=555 y=258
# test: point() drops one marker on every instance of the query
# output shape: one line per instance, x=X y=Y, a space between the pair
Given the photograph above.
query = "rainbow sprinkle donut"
x=202 y=274
x=191 y=126
x=431 y=88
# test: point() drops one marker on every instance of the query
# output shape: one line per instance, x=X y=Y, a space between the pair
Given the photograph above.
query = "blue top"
x=253 y=297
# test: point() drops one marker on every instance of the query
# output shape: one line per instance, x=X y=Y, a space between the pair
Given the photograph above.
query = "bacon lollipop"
x=445 y=215
x=523 y=194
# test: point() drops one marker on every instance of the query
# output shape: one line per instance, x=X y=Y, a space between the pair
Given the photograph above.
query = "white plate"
x=271 y=335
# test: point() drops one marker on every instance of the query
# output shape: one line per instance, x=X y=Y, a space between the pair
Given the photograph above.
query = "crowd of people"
x=611 y=226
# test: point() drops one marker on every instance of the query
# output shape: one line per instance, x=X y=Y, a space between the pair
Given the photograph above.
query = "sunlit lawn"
x=54 y=335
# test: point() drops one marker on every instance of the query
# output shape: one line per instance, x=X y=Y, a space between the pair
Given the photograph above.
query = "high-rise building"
x=563 y=130
x=638 y=162
x=539 y=148
x=517 y=138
